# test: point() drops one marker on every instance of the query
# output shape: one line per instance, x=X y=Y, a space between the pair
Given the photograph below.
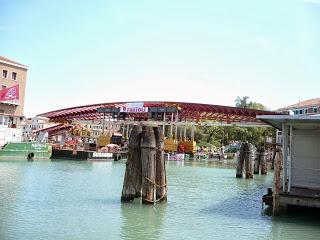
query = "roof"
x=303 y=104
x=297 y=121
x=55 y=129
x=187 y=111
x=11 y=62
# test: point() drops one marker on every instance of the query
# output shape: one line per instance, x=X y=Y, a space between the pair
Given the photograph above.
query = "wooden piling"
x=273 y=156
x=161 y=180
x=132 y=178
x=240 y=164
x=276 y=187
x=263 y=161
x=257 y=161
x=148 y=161
x=249 y=156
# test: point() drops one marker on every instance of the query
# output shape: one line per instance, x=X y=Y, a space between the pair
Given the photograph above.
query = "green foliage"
x=225 y=135
x=243 y=102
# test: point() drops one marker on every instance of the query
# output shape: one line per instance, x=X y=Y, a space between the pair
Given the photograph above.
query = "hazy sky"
x=83 y=52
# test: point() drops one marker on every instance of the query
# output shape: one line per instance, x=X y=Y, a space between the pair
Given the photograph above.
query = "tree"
x=225 y=135
x=243 y=102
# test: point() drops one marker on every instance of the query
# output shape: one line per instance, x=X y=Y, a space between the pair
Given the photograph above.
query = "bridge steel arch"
x=187 y=112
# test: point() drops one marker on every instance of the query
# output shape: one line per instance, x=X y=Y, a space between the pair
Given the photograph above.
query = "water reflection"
x=301 y=225
x=142 y=221
x=9 y=188
x=81 y=200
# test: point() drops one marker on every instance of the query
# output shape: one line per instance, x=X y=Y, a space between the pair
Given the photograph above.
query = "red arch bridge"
x=157 y=112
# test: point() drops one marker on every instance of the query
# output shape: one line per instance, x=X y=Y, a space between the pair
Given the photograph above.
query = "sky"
x=204 y=51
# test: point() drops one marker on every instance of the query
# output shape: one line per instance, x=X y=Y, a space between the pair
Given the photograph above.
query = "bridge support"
x=260 y=162
x=145 y=174
x=132 y=179
x=245 y=159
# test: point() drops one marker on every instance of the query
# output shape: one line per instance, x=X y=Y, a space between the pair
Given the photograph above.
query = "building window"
x=14 y=76
x=4 y=73
x=315 y=110
x=300 y=111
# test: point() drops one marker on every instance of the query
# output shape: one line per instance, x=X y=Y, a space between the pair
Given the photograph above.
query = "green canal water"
x=81 y=200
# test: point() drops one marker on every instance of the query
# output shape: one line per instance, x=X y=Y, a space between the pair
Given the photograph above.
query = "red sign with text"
x=9 y=94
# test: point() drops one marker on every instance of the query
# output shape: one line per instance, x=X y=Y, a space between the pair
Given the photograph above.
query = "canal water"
x=81 y=200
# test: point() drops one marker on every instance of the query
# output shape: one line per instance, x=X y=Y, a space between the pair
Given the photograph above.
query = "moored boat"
x=26 y=151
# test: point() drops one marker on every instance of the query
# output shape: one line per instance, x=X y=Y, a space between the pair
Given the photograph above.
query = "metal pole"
x=171 y=125
x=290 y=158
x=185 y=132
x=176 y=129
x=128 y=131
x=192 y=132
x=164 y=124
x=104 y=115
x=285 y=155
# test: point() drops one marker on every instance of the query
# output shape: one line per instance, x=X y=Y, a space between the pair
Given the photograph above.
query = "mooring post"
x=273 y=156
x=249 y=160
x=239 y=173
x=161 y=179
x=148 y=161
x=257 y=161
x=276 y=181
x=263 y=161
x=132 y=178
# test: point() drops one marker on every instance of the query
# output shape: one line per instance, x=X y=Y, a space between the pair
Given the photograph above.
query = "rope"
x=152 y=183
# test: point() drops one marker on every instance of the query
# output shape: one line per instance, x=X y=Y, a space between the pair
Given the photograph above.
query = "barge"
x=26 y=151
x=85 y=155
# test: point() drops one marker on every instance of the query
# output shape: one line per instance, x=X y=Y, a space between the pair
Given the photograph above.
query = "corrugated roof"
x=11 y=62
x=306 y=103
x=313 y=122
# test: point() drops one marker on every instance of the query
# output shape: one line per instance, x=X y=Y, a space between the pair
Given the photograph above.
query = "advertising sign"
x=137 y=107
x=9 y=94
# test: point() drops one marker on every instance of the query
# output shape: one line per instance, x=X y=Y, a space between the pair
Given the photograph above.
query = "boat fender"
x=117 y=157
x=30 y=156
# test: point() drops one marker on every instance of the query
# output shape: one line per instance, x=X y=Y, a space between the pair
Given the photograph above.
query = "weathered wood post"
x=257 y=161
x=132 y=178
x=276 y=182
x=240 y=161
x=263 y=161
x=148 y=161
x=161 y=179
x=249 y=160
x=273 y=156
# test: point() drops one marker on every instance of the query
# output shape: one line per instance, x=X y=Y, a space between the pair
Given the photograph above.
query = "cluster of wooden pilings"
x=260 y=161
x=250 y=161
x=145 y=174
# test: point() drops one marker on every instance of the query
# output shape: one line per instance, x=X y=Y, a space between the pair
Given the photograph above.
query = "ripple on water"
x=81 y=200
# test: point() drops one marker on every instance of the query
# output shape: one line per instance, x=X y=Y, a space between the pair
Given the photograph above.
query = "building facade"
x=307 y=107
x=12 y=74
x=31 y=126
